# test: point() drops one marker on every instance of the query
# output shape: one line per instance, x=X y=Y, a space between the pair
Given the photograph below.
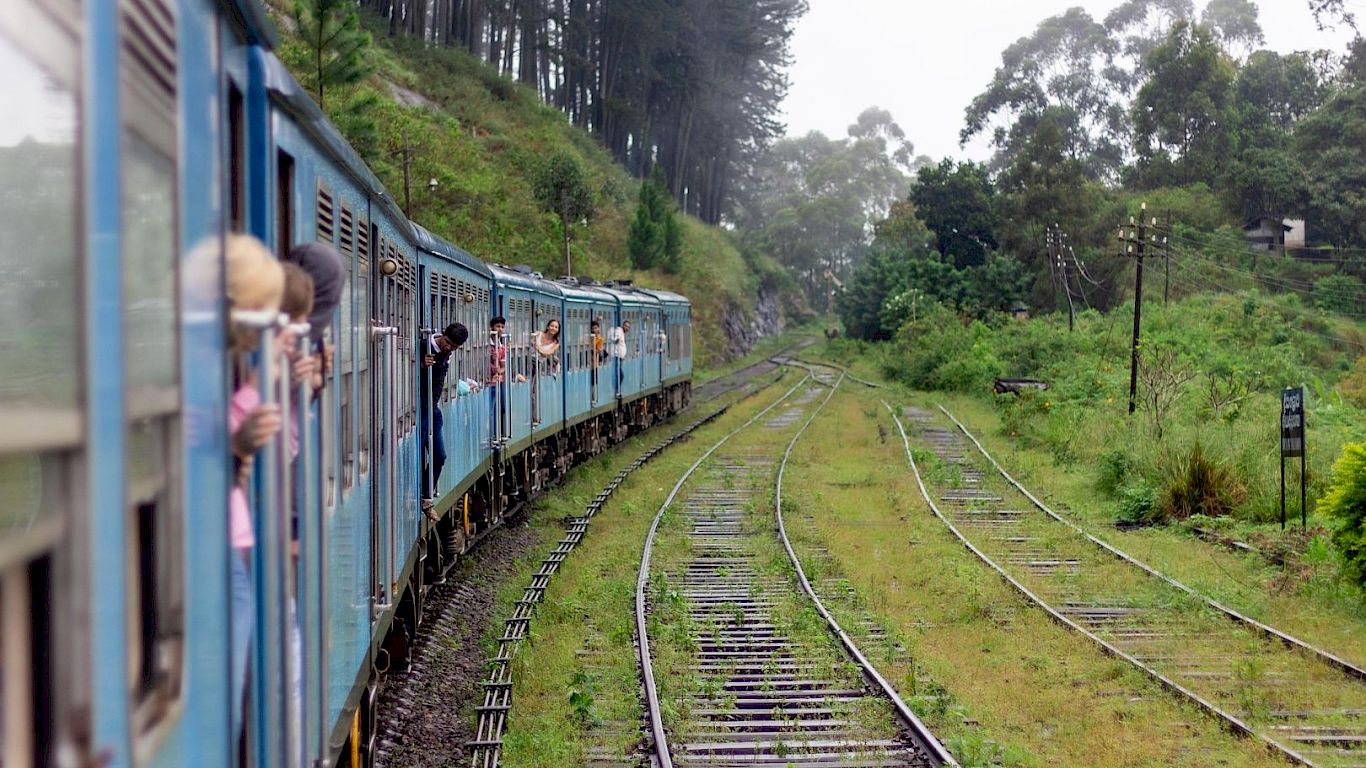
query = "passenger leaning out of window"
x=255 y=282
x=435 y=351
x=616 y=345
x=547 y=345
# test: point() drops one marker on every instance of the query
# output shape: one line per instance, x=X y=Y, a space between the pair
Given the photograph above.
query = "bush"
x=1199 y=485
x=1346 y=500
x=1337 y=293
x=1113 y=472
x=1138 y=504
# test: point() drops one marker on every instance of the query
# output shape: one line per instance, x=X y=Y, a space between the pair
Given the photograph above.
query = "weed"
x=1199 y=484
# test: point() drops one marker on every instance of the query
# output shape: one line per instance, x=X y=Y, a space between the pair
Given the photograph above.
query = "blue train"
x=138 y=134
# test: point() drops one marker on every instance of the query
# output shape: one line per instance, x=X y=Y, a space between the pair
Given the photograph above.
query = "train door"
x=384 y=309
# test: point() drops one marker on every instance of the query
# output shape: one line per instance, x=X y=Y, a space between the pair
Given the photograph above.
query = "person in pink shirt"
x=255 y=282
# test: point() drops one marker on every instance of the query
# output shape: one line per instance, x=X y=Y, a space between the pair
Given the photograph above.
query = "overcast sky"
x=924 y=60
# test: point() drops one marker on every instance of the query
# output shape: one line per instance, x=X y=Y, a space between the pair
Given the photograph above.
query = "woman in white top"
x=547 y=345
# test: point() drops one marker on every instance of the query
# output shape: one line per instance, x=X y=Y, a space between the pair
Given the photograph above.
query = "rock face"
x=746 y=325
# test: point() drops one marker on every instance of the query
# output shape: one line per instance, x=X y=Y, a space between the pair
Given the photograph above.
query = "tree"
x=336 y=45
x=654 y=238
x=1346 y=501
x=813 y=201
x=1331 y=144
x=562 y=190
x=1234 y=23
x=1141 y=26
x=958 y=202
x=1062 y=69
x=1183 y=109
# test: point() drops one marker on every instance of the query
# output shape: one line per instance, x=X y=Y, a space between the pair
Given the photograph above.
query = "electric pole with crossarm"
x=1135 y=240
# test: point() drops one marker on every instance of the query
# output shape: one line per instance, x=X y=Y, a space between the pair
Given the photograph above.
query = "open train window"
x=284 y=201
x=237 y=159
x=155 y=514
x=41 y=401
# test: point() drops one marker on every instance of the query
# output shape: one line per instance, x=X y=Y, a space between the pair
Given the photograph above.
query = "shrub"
x=1113 y=470
x=1199 y=485
x=1346 y=500
x=1138 y=504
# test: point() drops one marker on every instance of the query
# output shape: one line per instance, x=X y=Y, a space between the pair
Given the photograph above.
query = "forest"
x=1088 y=118
x=692 y=86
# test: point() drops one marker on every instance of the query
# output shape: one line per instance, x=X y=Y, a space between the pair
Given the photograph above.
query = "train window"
x=40 y=365
x=284 y=200
x=155 y=527
x=364 y=311
x=237 y=159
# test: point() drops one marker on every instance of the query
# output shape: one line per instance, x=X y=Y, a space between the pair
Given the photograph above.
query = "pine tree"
x=338 y=47
x=655 y=237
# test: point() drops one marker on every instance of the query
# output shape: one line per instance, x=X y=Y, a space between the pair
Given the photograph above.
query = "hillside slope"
x=481 y=138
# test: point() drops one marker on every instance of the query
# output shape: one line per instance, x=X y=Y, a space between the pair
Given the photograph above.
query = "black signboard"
x=1292 y=444
x=1292 y=422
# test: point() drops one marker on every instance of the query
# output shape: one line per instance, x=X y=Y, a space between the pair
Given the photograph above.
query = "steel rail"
x=921 y=733
x=1350 y=669
x=492 y=716
x=659 y=738
x=1230 y=720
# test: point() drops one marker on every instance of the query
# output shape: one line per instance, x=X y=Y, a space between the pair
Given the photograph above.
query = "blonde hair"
x=255 y=279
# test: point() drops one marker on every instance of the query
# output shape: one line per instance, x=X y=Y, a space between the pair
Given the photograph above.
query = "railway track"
x=410 y=698
x=751 y=682
x=1303 y=704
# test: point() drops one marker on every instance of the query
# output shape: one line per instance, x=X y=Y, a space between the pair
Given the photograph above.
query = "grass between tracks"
x=795 y=619
x=1303 y=594
x=575 y=681
x=1303 y=597
x=995 y=679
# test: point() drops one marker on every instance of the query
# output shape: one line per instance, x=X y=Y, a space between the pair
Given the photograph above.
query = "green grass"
x=990 y=674
x=1305 y=598
x=581 y=637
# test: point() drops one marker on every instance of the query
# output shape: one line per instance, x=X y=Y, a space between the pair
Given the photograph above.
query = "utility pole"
x=1056 y=240
x=1136 y=242
x=1167 y=260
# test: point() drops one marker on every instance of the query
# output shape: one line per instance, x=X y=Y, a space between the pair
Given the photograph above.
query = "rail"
x=1230 y=720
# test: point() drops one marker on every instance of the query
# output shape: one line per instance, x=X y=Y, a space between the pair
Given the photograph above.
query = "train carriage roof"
x=631 y=296
x=526 y=282
x=668 y=298
x=287 y=92
x=587 y=293
x=430 y=243
x=251 y=18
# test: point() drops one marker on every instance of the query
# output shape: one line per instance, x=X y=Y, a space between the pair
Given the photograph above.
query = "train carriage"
x=168 y=124
x=459 y=289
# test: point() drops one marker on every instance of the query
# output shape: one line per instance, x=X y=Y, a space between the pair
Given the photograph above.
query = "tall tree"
x=1234 y=23
x=562 y=190
x=958 y=202
x=336 y=44
x=654 y=238
x=1063 y=68
x=1332 y=147
x=1183 y=109
x=813 y=200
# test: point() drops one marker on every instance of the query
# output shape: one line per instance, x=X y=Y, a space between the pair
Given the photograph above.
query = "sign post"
x=1292 y=444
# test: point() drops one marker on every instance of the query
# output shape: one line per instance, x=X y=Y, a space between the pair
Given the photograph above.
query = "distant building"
x=1268 y=234
x=1294 y=237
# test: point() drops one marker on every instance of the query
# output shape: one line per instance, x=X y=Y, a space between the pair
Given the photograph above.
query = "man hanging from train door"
x=435 y=351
